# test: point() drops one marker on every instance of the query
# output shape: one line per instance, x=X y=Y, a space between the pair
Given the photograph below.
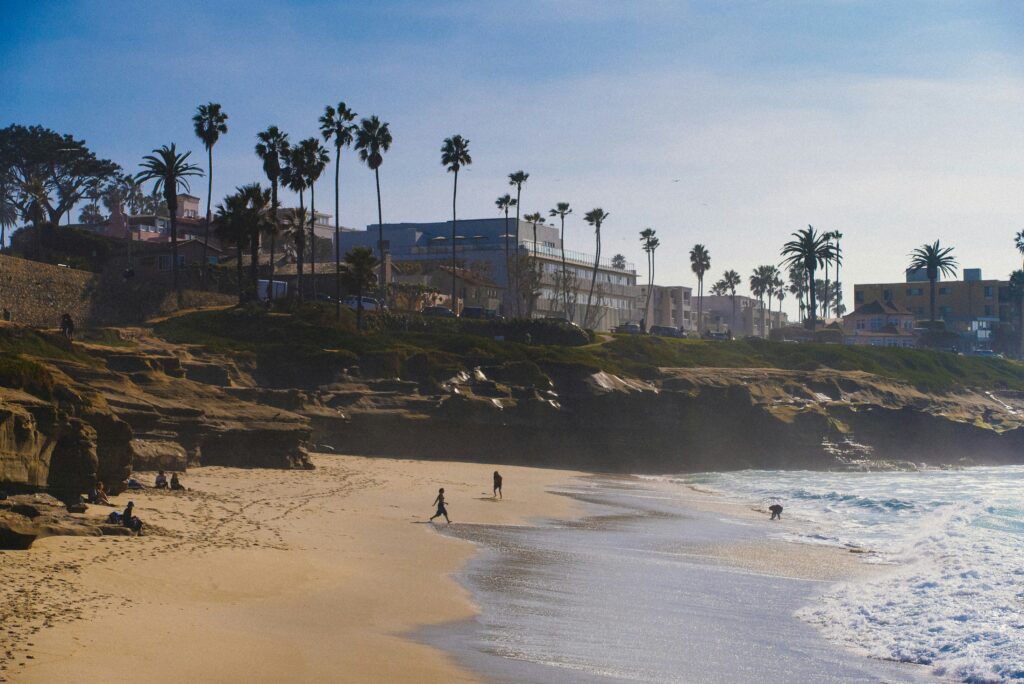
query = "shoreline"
x=309 y=575
x=266 y=575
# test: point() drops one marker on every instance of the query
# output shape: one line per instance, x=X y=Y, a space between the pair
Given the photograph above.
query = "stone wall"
x=37 y=294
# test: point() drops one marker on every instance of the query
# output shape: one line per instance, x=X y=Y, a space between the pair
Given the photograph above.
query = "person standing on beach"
x=441 y=509
x=497 y=484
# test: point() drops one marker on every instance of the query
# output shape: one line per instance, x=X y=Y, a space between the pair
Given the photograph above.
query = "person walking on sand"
x=441 y=509
x=497 y=485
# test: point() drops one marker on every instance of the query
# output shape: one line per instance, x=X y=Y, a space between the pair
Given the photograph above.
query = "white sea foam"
x=953 y=598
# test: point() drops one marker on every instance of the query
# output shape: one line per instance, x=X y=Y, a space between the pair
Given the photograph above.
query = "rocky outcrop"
x=27 y=517
x=681 y=420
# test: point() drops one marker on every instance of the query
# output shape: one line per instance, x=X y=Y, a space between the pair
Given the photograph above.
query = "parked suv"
x=438 y=312
x=666 y=331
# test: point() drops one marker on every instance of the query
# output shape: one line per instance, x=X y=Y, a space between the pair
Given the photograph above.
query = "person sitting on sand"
x=98 y=495
x=497 y=484
x=776 y=511
x=129 y=520
x=441 y=509
x=176 y=483
x=161 y=480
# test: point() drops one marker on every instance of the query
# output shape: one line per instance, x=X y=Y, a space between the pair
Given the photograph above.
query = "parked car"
x=324 y=297
x=629 y=329
x=560 y=319
x=438 y=312
x=369 y=303
x=666 y=331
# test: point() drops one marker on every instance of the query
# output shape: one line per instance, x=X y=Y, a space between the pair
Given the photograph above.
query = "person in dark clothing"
x=67 y=326
x=776 y=511
x=497 y=484
x=129 y=520
x=176 y=483
x=441 y=509
x=161 y=480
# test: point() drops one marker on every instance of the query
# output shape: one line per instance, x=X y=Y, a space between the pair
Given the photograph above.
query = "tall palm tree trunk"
x=813 y=308
x=508 y=262
x=839 y=286
x=273 y=238
x=455 y=192
x=380 y=234
x=519 y=309
x=593 y=280
x=300 y=251
x=337 y=239
x=238 y=269
x=172 y=209
x=700 y=304
x=254 y=260
x=209 y=196
x=931 y=298
x=312 y=236
x=565 y=276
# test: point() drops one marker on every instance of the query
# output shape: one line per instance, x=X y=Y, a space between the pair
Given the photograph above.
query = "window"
x=915 y=291
x=858 y=296
x=887 y=295
x=944 y=290
x=988 y=292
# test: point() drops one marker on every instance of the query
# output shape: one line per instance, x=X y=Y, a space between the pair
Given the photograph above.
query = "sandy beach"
x=263 y=575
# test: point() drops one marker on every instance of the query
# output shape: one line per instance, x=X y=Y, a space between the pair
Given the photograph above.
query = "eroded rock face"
x=27 y=517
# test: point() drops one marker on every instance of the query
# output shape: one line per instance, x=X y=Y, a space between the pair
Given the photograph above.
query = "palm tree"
x=798 y=285
x=171 y=172
x=719 y=289
x=231 y=228
x=936 y=261
x=700 y=263
x=317 y=159
x=337 y=124
x=295 y=178
x=594 y=217
x=780 y=294
x=295 y=228
x=209 y=123
x=732 y=280
x=760 y=284
x=357 y=275
x=534 y=218
x=517 y=179
x=373 y=139
x=1018 y=241
x=257 y=205
x=455 y=155
x=776 y=286
x=562 y=210
x=273 y=149
x=646 y=237
x=837 y=236
x=503 y=203
x=8 y=209
x=809 y=249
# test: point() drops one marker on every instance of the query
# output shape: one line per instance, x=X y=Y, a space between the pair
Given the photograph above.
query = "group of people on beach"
x=162 y=483
x=442 y=505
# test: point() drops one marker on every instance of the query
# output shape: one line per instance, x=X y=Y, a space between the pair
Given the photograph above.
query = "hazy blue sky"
x=727 y=123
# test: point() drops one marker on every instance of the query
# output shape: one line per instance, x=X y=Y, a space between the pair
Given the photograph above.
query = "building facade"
x=669 y=306
x=972 y=307
x=746 y=317
x=483 y=247
x=880 y=324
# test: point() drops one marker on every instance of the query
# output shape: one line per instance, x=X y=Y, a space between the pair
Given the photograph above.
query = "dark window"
x=858 y=296
x=988 y=292
x=944 y=290
x=887 y=295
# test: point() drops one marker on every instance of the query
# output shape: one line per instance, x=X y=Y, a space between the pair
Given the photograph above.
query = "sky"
x=730 y=123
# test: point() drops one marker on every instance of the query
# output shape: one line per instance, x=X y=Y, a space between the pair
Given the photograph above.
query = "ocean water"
x=629 y=594
x=951 y=594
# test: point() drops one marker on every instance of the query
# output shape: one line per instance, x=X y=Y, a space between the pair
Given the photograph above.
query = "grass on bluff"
x=309 y=337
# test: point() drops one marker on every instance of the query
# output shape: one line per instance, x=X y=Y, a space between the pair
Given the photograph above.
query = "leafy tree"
x=273 y=148
x=700 y=263
x=595 y=217
x=50 y=170
x=257 y=207
x=122 y=193
x=373 y=139
x=1017 y=294
x=809 y=249
x=503 y=203
x=455 y=155
x=798 y=285
x=561 y=210
x=170 y=172
x=91 y=214
x=935 y=261
x=209 y=123
x=357 y=275
x=337 y=124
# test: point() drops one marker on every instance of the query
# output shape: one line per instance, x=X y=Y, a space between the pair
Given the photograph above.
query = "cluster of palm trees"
x=295 y=166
